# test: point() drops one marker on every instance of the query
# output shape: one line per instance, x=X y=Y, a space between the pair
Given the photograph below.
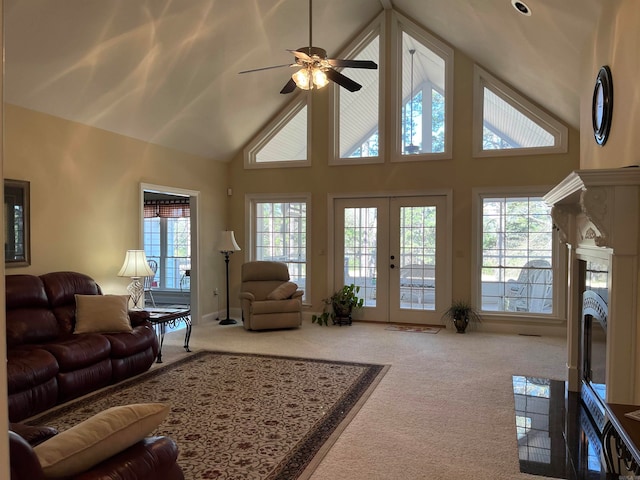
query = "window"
x=279 y=233
x=425 y=75
x=167 y=240
x=358 y=114
x=284 y=142
x=505 y=123
x=518 y=255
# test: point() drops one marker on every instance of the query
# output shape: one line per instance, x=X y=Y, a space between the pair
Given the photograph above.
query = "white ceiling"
x=166 y=71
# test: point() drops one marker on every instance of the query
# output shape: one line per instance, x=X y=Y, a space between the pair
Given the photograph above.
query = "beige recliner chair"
x=269 y=299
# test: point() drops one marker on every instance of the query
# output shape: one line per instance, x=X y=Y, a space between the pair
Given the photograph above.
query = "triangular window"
x=505 y=123
x=284 y=142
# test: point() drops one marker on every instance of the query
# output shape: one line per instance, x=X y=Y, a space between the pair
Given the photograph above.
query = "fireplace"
x=594 y=355
x=597 y=214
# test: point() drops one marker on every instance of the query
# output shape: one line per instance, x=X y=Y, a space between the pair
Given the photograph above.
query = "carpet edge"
x=328 y=444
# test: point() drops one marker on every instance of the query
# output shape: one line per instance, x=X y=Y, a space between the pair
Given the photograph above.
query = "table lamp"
x=135 y=266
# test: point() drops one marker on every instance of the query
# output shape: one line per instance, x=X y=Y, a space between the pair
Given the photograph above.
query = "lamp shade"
x=227 y=242
x=135 y=265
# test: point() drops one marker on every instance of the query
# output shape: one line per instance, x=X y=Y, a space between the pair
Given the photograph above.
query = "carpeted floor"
x=243 y=416
x=443 y=411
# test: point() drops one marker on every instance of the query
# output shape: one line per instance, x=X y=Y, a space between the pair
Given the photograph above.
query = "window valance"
x=174 y=208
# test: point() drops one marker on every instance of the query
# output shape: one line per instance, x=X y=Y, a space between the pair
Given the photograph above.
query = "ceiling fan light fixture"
x=303 y=79
x=319 y=78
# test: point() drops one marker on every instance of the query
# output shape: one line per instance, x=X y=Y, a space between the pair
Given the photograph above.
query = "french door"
x=394 y=249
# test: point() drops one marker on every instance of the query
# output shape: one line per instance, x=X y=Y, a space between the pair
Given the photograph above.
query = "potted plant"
x=339 y=306
x=460 y=313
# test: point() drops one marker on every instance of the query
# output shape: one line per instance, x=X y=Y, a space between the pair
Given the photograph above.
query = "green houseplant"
x=460 y=314
x=339 y=306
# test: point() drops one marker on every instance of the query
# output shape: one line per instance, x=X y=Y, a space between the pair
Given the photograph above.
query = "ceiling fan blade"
x=289 y=87
x=342 y=80
x=265 y=68
x=338 y=62
x=300 y=55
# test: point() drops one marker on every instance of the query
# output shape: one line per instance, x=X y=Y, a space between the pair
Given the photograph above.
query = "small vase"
x=461 y=324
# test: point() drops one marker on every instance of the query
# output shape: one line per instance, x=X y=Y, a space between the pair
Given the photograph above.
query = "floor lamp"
x=227 y=246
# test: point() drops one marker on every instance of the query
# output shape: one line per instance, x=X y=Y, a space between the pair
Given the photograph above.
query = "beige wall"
x=85 y=196
x=461 y=174
x=616 y=45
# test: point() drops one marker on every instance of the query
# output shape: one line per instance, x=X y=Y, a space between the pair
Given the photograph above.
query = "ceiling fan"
x=316 y=70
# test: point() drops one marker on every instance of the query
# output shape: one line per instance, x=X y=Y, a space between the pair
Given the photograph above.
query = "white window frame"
x=482 y=79
x=275 y=126
x=558 y=258
x=163 y=258
x=401 y=24
x=250 y=226
x=375 y=28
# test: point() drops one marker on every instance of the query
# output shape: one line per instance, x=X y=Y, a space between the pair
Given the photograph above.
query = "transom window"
x=505 y=123
x=285 y=141
x=279 y=233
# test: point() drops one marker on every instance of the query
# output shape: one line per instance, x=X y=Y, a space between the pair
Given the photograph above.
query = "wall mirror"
x=16 y=223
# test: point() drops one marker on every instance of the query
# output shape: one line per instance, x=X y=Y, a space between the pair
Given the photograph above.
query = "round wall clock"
x=602 y=107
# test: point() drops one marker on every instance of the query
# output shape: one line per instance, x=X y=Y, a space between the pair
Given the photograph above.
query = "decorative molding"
x=561 y=216
x=594 y=204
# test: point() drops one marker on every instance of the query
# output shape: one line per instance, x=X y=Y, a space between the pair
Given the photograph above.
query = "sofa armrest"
x=153 y=458
x=247 y=296
x=34 y=435
x=24 y=463
x=138 y=317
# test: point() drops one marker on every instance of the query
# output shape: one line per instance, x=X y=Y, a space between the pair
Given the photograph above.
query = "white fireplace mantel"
x=597 y=214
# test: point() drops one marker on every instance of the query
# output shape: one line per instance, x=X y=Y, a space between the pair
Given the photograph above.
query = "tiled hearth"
x=556 y=437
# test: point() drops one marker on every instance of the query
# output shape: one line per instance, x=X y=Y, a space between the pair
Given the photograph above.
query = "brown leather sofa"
x=153 y=458
x=47 y=363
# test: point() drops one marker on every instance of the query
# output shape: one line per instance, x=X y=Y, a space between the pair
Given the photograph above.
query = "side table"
x=161 y=317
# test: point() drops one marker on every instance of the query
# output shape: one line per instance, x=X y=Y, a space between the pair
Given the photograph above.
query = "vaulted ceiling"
x=166 y=71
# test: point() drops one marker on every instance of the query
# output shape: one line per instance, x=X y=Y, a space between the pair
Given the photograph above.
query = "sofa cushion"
x=61 y=288
x=28 y=367
x=283 y=291
x=102 y=314
x=29 y=319
x=79 y=351
x=96 y=439
x=127 y=344
x=291 y=305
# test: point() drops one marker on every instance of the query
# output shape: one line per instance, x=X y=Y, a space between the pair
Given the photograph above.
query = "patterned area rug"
x=413 y=328
x=242 y=416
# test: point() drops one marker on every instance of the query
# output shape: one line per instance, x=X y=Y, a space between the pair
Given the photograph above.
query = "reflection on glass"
x=532 y=418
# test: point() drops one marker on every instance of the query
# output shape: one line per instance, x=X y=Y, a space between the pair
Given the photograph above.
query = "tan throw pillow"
x=283 y=291
x=102 y=314
x=98 y=438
